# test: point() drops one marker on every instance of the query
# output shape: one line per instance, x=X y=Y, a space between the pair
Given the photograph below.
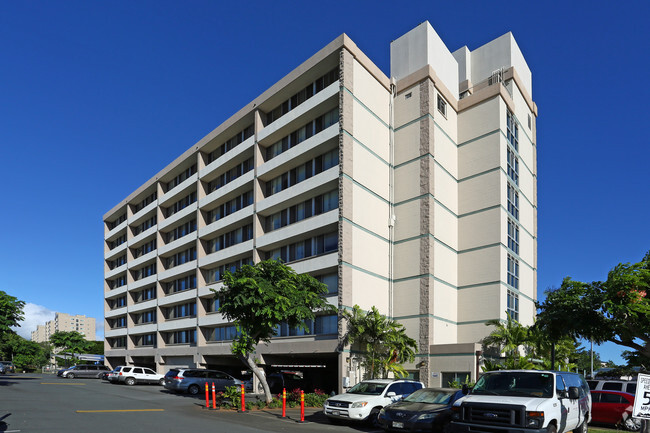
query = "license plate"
x=398 y=424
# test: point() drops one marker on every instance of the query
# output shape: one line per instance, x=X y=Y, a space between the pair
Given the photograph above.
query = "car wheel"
x=373 y=417
x=161 y=382
x=551 y=428
x=129 y=381
x=70 y=375
x=631 y=424
x=583 y=427
x=193 y=389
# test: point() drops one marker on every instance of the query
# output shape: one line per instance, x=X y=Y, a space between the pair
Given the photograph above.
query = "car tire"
x=373 y=418
x=70 y=375
x=193 y=389
x=161 y=382
x=129 y=381
x=551 y=428
x=631 y=424
x=583 y=427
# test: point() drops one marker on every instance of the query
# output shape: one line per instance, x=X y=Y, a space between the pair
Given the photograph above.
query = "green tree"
x=616 y=310
x=26 y=355
x=11 y=312
x=258 y=298
x=70 y=342
x=383 y=342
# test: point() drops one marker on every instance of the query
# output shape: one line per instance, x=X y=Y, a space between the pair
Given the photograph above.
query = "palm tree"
x=507 y=338
x=383 y=342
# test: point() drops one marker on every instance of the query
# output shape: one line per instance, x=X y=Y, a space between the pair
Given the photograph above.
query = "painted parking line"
x=119 y=410
x=57 y=383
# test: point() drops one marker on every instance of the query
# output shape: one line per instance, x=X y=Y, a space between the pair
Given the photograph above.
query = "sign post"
x=641 y=408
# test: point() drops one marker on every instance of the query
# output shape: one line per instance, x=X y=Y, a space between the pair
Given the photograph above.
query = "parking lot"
x=39 y=403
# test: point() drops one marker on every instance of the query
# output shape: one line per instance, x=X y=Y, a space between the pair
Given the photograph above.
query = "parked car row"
x=190 y=380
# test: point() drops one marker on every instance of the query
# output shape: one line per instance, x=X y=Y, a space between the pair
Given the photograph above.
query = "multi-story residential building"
x=414 y=193
x=65 y=323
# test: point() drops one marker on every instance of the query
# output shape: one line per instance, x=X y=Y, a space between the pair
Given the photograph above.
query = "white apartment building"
x=65 y=323
x=414 y=193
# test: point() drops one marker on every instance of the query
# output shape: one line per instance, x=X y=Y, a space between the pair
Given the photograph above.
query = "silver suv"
x=193 y=380
x=131 y=375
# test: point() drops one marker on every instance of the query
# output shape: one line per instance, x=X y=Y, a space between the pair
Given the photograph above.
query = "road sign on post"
x=642 y=398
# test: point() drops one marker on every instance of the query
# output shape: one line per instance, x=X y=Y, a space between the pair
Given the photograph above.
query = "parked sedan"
x=614 y=407
x=193 y=380
x=427 y=409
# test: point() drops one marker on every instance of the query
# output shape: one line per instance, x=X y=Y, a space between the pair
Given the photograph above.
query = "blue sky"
x=97 y=97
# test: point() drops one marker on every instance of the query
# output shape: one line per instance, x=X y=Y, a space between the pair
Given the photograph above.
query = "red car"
x=614 y=407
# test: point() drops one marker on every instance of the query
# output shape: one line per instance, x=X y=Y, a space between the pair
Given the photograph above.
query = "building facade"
x=65 y=323
x=415 y=194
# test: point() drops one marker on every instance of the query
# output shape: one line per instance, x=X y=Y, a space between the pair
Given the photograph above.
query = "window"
x=117 y=282
x=181 y=204
x=513 y=166
x=147 y=224
x=186 y=174
x=242 y=234
x=314 y=206
x=331 y=281
x=513 y=272
x=301 y=134
x=442 y=106
x=146 y=201
x=513 y=305
x=117 y=342
x=455 y=376
x=144 y=272
x=145 y=294
x=180 y=231
x=118 y=302
x=145 y=340
x=146 y=317
x=513 y=236
x=181 y=337
x=181 y=257
x=181 y=284
x=112 y=224
x=239 y=138
x=326 y=325
x=121 y=260
x=513 y=202
x=512 y=130
x=222 y=333
x=322 y=244
x=216 y=274
x=181 y=310
x=119 y=322
x=304 y=94
x=117 y=242
x=230 y=175
x=530 y=123
x=146 y=248
x=230 y=207
x=305 y=171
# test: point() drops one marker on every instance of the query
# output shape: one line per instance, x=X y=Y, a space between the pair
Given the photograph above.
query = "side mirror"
x=574 y=392
x=390 y=394
x=465 y=389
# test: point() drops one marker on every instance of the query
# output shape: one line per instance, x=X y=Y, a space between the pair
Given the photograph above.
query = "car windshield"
x=367 y=388
x=430 y=396
x=515 y=383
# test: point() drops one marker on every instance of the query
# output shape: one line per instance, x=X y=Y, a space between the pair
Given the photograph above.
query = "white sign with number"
x=642 y=397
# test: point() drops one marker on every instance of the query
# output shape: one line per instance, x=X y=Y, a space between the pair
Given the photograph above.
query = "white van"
x=524 y=401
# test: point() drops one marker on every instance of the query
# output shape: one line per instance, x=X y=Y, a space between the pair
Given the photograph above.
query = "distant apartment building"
x=65 y=323
x=414 y=193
